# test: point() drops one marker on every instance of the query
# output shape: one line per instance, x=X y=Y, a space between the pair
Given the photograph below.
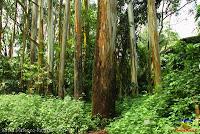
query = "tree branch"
x=178 y=9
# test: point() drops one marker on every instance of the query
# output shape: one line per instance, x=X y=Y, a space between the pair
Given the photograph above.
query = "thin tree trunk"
x=153 y=40
x=63 y=50
x=13 y=34
x=50 y=35
x=133 y=49
x=85 y=31
x=34 y=30
x=24 y=42
x=1 y=28
x=86 y=47
x=78 y=52
x=60 y=32
x=27 y=49
x=60 y=23
x=103 y=97
x=50 y=41
x=40 y=34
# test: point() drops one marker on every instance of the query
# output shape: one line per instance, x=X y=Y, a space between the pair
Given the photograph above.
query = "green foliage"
x=140 y=119
x=47 y=114
x=31 y=78
x=197 y=12
x=9 y=75
x=167 y=39
x=162 y=113
x=36 y=79
x=143 y=117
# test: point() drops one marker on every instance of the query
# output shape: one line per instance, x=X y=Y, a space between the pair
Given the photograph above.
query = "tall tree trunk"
x=34 y=30
x=50 y=41
x=85 y=26
x=133 y=48
x=63 y=49
x=24 y=41
x=28 y=26
x=78 y=52
x=40 y=34
x=60 y=23
x=60 y=32
x=50 y=35
x=13 y=34
x=1 y=28
x=153 y=40
x=85 y=31
x=86 y=51
x=103 y=98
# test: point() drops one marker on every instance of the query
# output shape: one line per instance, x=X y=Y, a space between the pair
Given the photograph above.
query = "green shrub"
x=48 y=114
x=141 y=118
x=162 y=113
x=9 y=75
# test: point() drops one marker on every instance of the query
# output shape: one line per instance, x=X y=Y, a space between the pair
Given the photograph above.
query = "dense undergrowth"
x=28 y=113
x=163 y=113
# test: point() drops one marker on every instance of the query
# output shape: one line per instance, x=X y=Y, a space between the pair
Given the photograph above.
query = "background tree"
x=85 y=45
x=13 y=34
x=1 y=28
x=40 y=34
x=34 y=30
x=154 y=44
x=63 y=49
x=133 y=49
x=78 y=51
x=50 y=57
x=24 y=22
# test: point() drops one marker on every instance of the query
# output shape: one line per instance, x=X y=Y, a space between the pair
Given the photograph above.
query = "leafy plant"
x=162 y=113
x=48 y=114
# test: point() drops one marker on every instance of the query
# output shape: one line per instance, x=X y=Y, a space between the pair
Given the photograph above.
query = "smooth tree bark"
x=34 y=31
x=63 y=49
x=103 y=95
x=50 y=36
x=86 y=48
x=50 y=56
x=85 y=31
x=12 y=40
x=24 y=40
x=40 y=34
x=85 y=26
x=133 y=49
x=1 y=27
x=154 y=44
x=60 y=23
x=59 y=38
x=78 y=52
